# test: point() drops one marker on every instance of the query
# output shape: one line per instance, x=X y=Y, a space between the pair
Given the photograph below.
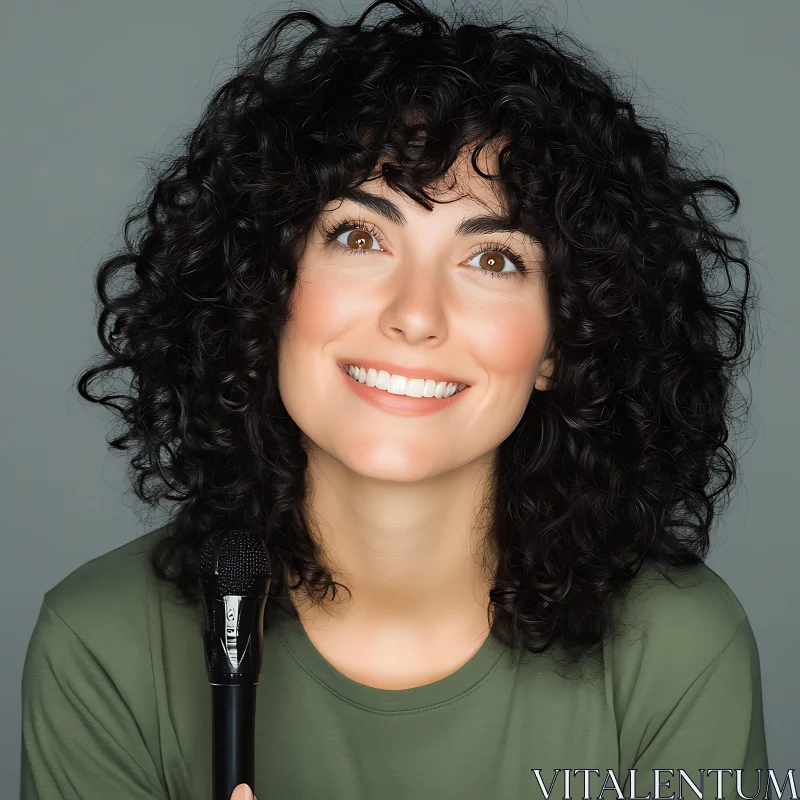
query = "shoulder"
x=691 y=604
x=93 y=645
x=89 y=682
x=672 y=625
x=108 y=595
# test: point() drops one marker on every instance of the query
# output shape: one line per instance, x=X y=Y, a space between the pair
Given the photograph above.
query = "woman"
x=430 y=309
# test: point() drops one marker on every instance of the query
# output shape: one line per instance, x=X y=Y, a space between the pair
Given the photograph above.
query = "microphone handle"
x=233 y=732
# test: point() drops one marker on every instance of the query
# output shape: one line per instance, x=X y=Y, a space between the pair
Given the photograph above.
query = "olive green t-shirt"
x=116 y=704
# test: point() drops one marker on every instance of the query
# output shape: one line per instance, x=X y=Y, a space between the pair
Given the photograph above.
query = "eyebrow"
x=472 y=226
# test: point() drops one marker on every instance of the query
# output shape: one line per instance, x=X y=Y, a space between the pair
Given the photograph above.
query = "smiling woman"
x=419 y=305
x=425 y=306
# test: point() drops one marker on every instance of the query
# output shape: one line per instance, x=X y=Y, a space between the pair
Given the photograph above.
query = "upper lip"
x=399 y=369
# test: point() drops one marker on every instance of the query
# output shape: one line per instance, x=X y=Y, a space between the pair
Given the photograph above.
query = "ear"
x=543 y=381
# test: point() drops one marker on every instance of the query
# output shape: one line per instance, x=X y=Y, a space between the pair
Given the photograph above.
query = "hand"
x=242 y=792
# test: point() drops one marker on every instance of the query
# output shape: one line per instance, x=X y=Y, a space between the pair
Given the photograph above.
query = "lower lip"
x=401 y=403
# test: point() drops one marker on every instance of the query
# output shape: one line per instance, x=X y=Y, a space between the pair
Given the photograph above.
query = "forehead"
x=461 y=185
x=401 y=210
x=466 y=202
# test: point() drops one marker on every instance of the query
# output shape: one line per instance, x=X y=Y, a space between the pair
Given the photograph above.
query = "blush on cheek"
x=310 y=313
x=514 y=347
x=325 y=307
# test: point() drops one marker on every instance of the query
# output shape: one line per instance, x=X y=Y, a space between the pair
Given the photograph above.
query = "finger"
x=242 y=792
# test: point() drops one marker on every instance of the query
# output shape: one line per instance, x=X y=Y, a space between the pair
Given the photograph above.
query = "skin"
x=395 y=501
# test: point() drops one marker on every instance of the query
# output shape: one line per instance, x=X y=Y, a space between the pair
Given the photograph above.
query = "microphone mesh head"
x=234 y=562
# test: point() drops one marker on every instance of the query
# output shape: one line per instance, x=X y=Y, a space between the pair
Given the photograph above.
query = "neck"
x=413 y=555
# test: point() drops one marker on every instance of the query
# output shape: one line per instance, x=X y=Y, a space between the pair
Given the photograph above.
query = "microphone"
x=234 y=576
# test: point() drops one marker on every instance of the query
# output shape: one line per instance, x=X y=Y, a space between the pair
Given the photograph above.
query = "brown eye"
x=354 y=236
x=491 y=261
x=359 y=240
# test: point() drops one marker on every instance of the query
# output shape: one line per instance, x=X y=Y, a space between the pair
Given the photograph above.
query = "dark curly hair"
x=620 y=463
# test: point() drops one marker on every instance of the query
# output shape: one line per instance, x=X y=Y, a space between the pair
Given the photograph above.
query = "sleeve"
x=715 y=728
x=80 y=740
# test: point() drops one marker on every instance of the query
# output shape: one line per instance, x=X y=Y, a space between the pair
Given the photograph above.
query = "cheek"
x=315 y=311
x=324 y=306
x=321 y=311
x=511 y=343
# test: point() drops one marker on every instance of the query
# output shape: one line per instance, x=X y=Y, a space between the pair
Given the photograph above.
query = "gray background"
x=90 y=89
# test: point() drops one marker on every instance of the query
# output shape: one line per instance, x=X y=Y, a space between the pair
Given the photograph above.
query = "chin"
x=394 y=462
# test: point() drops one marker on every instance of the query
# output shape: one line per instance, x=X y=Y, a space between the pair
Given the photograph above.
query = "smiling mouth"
x=399 y=385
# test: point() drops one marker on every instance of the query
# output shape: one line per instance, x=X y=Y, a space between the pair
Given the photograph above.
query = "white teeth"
x=400 y=384
x=397 y=384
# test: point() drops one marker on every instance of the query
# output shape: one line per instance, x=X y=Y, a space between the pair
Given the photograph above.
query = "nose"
x=416 y=310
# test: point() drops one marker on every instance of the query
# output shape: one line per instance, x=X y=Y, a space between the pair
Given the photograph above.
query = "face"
x=424 y=302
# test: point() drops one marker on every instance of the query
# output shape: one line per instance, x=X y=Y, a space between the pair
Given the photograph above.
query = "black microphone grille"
x=234 y=562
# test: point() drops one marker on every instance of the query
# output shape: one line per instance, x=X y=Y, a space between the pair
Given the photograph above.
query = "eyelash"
x=337 y=228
